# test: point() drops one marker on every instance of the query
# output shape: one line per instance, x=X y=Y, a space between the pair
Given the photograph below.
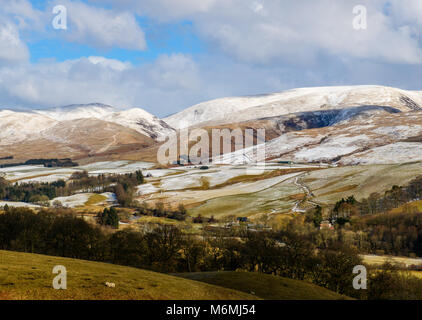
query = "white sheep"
x=110 y=284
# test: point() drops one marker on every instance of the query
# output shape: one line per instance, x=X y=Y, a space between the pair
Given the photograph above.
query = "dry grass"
x=408 y=207
x=95 y=199
x=29 y=276
x=299 y=196
x=32 y=177
x=205 y=185
x=264 y=176
x=265 y=286
x=379 y=260
x=329 y=184
x=339 y=190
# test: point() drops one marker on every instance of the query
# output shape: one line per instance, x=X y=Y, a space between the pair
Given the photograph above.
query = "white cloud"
x=300 y=31
x=101 y=27
x=252 y=46
x=12 y=49
x=26 y=16
x=279 y=31
x=165 y=10
x=163 y=84
x=174 y=72
x=89 y=25
x=109 y=63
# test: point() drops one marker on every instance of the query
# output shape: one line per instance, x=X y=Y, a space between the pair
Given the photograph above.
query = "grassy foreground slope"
x=29 y=276
x=265 y=286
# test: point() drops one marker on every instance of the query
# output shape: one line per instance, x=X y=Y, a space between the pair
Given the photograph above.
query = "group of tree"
x=371 y=226
x=109 y=217
x=123 y=185
x=377 y=203
x=160 y=210
x=291 y=253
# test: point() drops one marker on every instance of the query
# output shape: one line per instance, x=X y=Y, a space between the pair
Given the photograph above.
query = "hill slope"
x=29 y=276
x=76 y=139
x=135 y=118
x=372 y=137
x=265 y=286
x=226 y=110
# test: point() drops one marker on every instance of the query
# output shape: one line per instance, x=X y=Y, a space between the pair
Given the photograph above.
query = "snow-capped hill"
x=83 y=111
x=141 y=121
x=217 y=109
x=226 y=110
x=18 y=126
x=380 y=138
x=135 y=118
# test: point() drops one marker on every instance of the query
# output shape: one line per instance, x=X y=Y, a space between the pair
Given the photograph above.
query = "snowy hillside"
x=226 y=110
x=379 y=139
x=18 y=126
x=347 y=125
x=136 y=118
x=72 y=112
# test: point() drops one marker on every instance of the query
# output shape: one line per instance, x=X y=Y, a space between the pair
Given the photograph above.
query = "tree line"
x=288 y=253
x=160 y=210
x=370 y=225
x=123 y=185
x=377 y=203
x=298 y=252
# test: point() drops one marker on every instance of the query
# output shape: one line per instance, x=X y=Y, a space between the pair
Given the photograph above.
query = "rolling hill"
x=77 y=132
x=29 y=276
x=345 y=125
x=265 y=286
x=134 y=118
x=226 y=110
x=76 y=139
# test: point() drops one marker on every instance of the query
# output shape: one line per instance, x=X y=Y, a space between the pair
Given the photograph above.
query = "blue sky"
x=161 y=38
x=166 y=55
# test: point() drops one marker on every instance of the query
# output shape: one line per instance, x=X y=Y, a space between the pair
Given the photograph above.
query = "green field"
x=326 y=185
x=375 y=260
x=264 y=201
x=265 y=286
x=332 y=184
x=29 y=276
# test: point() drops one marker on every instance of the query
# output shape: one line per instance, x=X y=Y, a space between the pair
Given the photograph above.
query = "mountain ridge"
x=17 y=126
x=348 y=124
x=227 y=110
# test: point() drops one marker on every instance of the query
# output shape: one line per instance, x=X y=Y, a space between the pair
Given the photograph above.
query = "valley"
x=321 y=145
x=341 y=168
x=267 y=192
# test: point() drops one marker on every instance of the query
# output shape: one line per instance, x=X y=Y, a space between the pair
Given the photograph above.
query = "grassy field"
x=327 y=185
x=265 y=286
x=272 y=199
x=95 y=199
x=332 y=184
x=416 y=274
x=379 y=260
x=409 y=207
x=29 y=276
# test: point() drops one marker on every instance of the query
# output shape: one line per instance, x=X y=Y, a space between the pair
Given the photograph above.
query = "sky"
x=166 y=55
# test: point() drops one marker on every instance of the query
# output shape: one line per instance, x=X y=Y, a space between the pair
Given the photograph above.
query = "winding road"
x=307 y=191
